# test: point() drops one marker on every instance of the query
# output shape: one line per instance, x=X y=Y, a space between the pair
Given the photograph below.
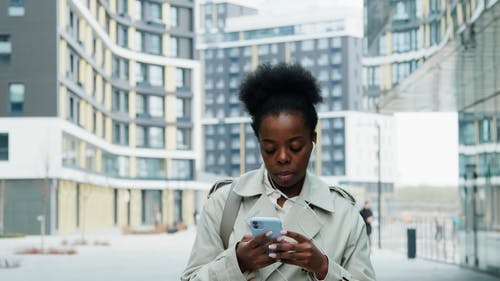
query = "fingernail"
x=272 y=247
x=283 y=232
x=269 y=233
x=280 y=239
x=272 y=255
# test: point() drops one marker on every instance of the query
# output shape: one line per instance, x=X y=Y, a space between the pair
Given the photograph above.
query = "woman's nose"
x=283 y=157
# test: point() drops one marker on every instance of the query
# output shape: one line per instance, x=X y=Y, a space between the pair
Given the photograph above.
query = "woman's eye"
x=296 y=149
x=269 y=151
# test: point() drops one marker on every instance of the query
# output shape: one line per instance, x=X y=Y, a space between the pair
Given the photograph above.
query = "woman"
x=324 y=236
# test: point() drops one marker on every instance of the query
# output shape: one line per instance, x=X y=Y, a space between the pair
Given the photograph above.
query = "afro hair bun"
x=288 y=81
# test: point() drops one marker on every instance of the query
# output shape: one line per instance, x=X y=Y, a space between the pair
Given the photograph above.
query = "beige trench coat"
x=336 y=228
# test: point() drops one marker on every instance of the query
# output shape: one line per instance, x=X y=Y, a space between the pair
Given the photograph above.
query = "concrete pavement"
x=163 y=257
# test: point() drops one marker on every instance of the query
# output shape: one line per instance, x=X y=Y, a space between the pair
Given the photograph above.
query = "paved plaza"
x=163 y=257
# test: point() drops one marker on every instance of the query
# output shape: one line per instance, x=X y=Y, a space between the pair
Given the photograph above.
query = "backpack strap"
x=230 y=212
x=343 y=193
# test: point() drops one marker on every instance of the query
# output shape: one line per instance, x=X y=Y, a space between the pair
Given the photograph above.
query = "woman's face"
x=285 y=145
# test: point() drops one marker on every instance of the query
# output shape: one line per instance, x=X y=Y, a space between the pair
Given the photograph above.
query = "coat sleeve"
x=356 y=265
x=208 y=259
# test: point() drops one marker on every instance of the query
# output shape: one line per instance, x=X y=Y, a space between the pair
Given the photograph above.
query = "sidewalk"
x=392 y=266
x=163 y=257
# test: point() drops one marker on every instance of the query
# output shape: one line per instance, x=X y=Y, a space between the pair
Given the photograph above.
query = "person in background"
x=323 y=236
x=367 y=215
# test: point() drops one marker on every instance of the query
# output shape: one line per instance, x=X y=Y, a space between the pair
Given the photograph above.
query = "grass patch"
x=12 y=235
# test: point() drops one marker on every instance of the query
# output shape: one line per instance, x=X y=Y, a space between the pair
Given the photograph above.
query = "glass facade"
x=479 y=135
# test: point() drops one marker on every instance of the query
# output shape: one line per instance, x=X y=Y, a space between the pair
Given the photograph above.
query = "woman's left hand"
x=303 y=253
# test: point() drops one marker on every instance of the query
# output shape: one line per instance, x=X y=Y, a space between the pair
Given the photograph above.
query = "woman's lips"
x=284 y=177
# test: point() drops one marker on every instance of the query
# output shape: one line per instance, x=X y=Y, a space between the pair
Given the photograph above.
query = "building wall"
x=96 y=207
x=135 y=207
x=35 y=67
x=123 y=199
x=67 y=207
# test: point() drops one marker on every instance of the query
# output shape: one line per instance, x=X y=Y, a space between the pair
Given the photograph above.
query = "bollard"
x=411 y=234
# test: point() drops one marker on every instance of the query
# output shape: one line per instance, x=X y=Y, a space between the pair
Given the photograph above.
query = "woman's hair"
x=280 y=88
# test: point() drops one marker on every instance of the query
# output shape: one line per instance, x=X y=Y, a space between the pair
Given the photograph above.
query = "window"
x=155 y=106
x=5 y=49
x=110 y=164
x=336 y=43
x=4 y=147
x=154 y=12
x=150 y=168
x=70 y=155
x=149 y=74
x=486 y=130
x=16 y=97
x=263 y=49
x=121 y=7
x=153 y=137
x=307 y=45
x=182 y=169
x=90 y=157
x=173 y=47
x=336 y=58
x=149 y=106
x=182 y=79
x=139 y=41
x=401 y=13
x=323 y=43
x=73 y=108
x=122 y=35
x=156 y=137
x=174 y=18
x=120 y=133
x=120 y=101
x=138 y=10
x=435 y=32
x=72 y=23
x=148 y=42
x=16 y=8
x=183 y=141
x=183 y=109
x=120 y=68
x=73 y=66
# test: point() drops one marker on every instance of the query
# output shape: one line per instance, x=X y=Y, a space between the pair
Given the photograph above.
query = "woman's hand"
x=252 y=252
x=303 y=253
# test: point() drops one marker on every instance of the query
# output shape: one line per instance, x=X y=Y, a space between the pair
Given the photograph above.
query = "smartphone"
x=261 y=225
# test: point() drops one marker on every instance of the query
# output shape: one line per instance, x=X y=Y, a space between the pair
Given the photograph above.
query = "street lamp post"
x=379 y=186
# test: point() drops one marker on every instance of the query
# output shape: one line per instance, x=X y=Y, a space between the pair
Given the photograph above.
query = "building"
x=400 y=35
x=477 y=54
x=463 y=66
x=234 y=39
x=97 y=126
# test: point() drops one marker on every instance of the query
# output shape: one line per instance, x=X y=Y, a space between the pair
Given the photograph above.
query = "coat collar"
x=314 y=191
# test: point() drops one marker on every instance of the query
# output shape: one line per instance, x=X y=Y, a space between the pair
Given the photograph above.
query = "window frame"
x=5 y=55
x=4 y=150
x=11 y=107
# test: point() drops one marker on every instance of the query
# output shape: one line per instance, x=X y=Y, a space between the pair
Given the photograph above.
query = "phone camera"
x=255 y=224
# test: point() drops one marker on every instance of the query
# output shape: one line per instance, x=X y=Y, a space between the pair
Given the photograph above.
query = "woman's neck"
x=290 y=191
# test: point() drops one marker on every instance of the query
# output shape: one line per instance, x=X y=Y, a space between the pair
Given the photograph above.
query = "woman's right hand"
x=252 y=252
